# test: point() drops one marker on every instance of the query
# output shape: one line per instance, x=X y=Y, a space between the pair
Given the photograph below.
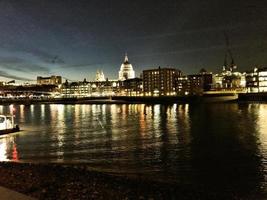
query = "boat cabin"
x=6 y=122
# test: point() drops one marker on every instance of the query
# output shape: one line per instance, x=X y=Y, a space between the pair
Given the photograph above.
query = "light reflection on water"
x=185 y=143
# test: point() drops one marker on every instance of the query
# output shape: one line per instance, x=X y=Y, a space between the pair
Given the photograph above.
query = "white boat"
x=7 y=124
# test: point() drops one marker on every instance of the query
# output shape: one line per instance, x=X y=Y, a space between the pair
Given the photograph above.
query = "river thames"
x=221 y=145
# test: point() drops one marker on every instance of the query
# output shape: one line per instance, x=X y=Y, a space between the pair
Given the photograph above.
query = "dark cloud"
x=213 y=48
x=21 y=65
x=75 y=66
x=221 y=29
x=184 y=51
x=12 y=76
x=45 y=56
x=41 y=55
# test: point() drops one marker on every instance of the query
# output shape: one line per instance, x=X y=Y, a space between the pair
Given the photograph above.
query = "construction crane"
x=229 y=52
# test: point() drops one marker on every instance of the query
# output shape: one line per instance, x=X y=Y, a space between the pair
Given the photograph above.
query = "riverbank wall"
x=253 y=97
x=206 y=98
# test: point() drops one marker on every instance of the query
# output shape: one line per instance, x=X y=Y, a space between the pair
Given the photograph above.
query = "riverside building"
x=76 y=89
x=256 y=80
x=51 y=80
x=132 y=87
x=194 y=84
x=230 y=78
x=160 y=81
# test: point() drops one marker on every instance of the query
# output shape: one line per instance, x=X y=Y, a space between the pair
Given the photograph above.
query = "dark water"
x=210 y=144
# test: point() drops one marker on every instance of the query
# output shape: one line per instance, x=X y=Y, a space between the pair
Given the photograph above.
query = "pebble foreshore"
x=56 y=181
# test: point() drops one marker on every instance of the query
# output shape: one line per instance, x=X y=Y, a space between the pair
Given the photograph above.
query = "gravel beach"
x=55 y=181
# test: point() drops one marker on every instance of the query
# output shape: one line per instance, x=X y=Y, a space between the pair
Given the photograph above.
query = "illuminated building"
x=133 y=87
x=160 y=81
x=76 y=89
x=27 y=91
x=52 y=80
x=199 y=83
x=91 y=88
x=229 y=78
x=126 y=70
x=194 y=84
x=256 y=80
x=182 y=85
x=207 y=79
x=105 y=88
x=100 y=76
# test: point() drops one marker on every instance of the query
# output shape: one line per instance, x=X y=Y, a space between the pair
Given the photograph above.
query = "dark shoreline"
x=57 y=181
x=114 y=100
x=205 y=98
x=68 y=181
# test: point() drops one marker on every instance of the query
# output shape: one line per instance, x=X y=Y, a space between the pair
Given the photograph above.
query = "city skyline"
x=74 y=39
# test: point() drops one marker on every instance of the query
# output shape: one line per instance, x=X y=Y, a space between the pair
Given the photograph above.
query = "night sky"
x=75 y=38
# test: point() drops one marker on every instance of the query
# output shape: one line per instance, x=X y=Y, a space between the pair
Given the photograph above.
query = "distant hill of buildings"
x=158 y=81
